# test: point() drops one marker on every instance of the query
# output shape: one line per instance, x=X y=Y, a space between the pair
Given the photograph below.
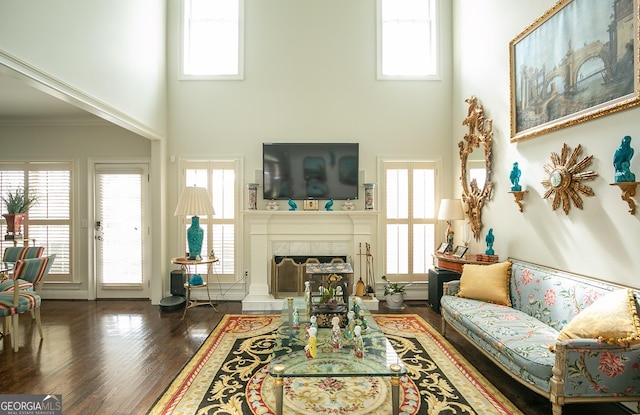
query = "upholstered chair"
x=32 y=274
x=16 y=301
x=14 y=253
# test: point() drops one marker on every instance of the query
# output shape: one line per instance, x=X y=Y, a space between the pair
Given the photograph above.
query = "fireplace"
x=300 y=233
x=288 y=273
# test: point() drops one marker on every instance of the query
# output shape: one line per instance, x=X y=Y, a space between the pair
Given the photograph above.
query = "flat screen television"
x=310 y=170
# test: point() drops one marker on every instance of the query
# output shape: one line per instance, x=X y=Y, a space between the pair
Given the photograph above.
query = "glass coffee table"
x=289 y=358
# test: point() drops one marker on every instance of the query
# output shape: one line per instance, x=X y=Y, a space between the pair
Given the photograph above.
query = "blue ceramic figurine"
x=515 y=178
x=329 y=205
x=489 y=240
x=292 y=205
x=622 y=161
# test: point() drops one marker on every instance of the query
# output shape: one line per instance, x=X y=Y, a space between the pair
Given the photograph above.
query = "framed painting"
x=577 y=62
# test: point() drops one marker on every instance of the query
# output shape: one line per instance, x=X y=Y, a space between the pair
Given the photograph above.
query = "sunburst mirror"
x=564 y=177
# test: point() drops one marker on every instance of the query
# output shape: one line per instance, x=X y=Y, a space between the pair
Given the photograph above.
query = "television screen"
x=310 y=171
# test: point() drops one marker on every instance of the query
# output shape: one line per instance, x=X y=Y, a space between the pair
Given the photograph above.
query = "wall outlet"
x=246 y=273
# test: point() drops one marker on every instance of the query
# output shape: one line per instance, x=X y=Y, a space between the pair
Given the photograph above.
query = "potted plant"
x=17 y=205
x=394 y=293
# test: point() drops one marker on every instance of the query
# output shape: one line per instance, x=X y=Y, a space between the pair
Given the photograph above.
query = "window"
x=49 y=220
x=212 y=39
x=219 y=177
x=407 y=39
x=410 y=219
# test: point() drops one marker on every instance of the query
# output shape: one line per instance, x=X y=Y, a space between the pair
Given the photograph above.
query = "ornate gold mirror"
x=475 y=159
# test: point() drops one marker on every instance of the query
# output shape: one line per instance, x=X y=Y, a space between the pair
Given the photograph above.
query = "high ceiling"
x=22 y=101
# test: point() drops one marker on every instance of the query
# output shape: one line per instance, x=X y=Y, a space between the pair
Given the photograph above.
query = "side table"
x=191 y=264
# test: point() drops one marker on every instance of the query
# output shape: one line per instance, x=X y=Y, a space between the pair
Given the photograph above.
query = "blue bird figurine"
x=329 y=205
x=292 y=205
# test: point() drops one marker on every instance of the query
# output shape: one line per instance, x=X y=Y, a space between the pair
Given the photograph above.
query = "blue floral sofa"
x=523 y=339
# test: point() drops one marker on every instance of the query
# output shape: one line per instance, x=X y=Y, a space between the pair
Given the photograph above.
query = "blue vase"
x=194 y=238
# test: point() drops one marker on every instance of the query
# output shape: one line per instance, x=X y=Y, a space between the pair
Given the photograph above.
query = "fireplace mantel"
x=319 y=232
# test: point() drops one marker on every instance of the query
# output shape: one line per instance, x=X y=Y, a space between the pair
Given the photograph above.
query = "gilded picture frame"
x=577 y=62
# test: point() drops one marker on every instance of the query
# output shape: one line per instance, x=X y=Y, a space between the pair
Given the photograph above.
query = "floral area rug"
x=229 y=375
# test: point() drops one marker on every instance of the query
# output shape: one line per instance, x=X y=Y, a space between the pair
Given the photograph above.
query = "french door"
x=121 y=233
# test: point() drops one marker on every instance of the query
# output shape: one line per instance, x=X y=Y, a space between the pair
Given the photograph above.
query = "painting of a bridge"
x=577 y=62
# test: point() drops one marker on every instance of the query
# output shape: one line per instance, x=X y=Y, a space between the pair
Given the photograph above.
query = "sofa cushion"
x=612 y=318
x=518 y=340
x=488 y=283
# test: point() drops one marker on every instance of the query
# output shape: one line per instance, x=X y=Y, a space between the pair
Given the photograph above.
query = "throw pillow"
x=488 y=283
x=612 y=318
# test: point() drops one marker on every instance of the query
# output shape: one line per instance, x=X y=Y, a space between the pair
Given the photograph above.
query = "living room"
x=334 y=76
x=309 y=76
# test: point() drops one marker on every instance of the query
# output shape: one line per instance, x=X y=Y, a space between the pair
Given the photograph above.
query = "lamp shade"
x=194 y=201
x=450 y=209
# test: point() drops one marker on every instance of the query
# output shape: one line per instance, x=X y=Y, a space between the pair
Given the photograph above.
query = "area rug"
x=229 y=375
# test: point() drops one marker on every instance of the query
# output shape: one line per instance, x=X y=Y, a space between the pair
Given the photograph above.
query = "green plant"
x=393 y=287
x=18 y=202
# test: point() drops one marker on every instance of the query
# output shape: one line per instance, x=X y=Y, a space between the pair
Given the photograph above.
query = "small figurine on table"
x=358 y=345
x=313 y=322
x=296 y=318
x=489 y=240
x=363 y=321
x=310 y=349
x=351 y=324
x=357 y=302
x=336 y=333
x=292 y=205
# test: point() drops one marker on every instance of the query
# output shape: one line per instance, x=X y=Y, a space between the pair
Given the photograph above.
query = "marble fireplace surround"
x=308 y=233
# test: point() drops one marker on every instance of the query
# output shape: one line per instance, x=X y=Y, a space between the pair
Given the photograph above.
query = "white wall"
x=113 y=51
x=600 y=241
x=310 y=76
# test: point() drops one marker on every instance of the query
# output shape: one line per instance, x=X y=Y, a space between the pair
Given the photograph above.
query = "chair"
x=14 y=253
x=16 y=301
x=33 y=274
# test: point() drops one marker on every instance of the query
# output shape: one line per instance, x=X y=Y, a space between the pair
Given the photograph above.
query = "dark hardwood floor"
x=116 y=357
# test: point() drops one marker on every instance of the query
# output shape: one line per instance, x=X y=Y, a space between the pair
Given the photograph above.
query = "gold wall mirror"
x=475 y=163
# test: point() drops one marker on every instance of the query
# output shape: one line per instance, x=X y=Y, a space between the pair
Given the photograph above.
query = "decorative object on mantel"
x=489 y=240
x=479 y=136
x=450 y=210
x=252 y=196
x=310 y=204
x=348 y=205
x=624 y=178
x=292 y=205
x=272 y=205
x=329 y=205
x=564 y=177
x=369 y=196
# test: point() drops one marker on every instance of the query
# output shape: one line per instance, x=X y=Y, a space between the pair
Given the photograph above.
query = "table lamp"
x=450 y=210
x=194 y=201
